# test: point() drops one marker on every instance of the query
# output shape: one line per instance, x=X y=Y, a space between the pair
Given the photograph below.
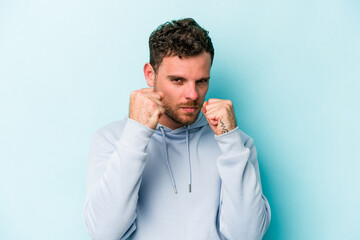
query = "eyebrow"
x=176 y=77
x=182 y=78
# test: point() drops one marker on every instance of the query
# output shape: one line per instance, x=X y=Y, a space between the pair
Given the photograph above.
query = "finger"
x=214 y=100
x=161 y=95
x=156 y=100
x=212 y=113
x=213 y=105
x=155 y=117
x=157 y=95
x=158 y=111
x=147 y=90
x=223 y=104
x=203 y=109
x=213 y=121
x=151 y=91
x=212 y=117
x=161 y=110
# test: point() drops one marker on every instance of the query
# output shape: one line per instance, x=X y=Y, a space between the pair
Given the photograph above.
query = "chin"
x=189 y=119
x=182 y=118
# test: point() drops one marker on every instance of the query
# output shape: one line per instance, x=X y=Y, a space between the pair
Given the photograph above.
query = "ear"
x=149 y=74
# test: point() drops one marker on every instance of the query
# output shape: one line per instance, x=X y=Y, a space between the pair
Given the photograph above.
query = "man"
x=177 y=167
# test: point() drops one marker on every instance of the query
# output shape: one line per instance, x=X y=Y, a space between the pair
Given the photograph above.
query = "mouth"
x=189 y=109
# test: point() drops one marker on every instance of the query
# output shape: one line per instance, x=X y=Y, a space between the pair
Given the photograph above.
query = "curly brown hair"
x=182 y=38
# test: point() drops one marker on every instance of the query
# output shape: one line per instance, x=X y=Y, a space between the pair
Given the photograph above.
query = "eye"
x=176 y=80
x=203 y=81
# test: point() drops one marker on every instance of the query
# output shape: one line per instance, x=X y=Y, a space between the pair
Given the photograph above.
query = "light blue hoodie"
x=168 y=184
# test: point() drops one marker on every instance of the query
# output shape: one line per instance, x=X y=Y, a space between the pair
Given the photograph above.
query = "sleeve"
x=113 y=182
x=244 y=212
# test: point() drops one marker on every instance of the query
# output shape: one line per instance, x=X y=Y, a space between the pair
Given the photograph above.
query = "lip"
x=189 y=109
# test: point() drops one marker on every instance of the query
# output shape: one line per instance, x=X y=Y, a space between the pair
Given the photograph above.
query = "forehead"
x=195 y=66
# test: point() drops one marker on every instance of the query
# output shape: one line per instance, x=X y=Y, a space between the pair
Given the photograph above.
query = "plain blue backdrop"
x=291 y=68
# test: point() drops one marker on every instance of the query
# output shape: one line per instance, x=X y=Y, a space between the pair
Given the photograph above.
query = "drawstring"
x=189 y=159
x=167 y=159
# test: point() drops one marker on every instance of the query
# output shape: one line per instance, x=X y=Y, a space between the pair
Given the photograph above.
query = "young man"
x=177 y=167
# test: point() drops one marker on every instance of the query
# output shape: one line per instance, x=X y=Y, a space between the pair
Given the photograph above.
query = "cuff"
x=136 y=136
x=231 y=141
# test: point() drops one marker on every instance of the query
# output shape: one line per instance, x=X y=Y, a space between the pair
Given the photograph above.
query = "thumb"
x=203 y=109
x=212 y=122
x=161 y=95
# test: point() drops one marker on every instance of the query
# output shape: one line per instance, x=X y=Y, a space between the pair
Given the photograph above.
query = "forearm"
x=110 y=206
x=244 y=211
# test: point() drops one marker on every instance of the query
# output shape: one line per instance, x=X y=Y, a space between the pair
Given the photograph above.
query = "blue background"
x=291 y=68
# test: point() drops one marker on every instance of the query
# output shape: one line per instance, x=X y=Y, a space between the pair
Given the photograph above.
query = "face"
x=184 y=82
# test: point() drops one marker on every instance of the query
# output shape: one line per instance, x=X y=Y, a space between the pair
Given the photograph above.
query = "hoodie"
x=185 y=183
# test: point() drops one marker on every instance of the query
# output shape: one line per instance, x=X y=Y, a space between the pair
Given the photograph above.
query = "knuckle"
x=152 y=104
x=137 y=93
x=157 y=111
x=132 y=94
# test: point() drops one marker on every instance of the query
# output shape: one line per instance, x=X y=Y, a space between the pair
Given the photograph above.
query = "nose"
x=191 y=92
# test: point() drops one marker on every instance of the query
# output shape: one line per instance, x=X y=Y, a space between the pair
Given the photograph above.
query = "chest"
x=181 y=161
x=157 y=201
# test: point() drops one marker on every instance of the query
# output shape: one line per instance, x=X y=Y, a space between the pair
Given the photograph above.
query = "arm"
x=113 y=181
x=244 y=212
x=115 y=170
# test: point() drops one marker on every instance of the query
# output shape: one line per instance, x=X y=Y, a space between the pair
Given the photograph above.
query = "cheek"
x=164 y=86
x=169 y=99
x=172 y=93
x=202 y=92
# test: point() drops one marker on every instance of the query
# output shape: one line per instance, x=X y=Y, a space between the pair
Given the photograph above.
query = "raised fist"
x=220 y=115
x=146 y=107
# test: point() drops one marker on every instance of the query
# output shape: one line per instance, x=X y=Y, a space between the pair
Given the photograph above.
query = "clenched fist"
x=146 y=107
x=220 y=115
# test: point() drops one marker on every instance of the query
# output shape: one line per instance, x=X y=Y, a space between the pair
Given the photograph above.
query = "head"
x=181 y=55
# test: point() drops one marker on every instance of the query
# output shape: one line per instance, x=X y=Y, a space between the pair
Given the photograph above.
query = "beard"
x=175 y=114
